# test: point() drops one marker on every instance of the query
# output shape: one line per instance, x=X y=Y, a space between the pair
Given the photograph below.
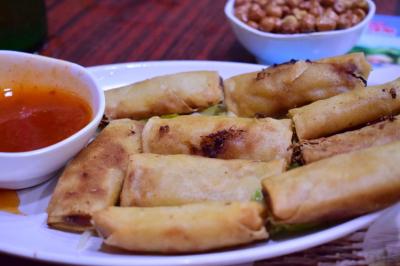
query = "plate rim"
x=134 y=64
x=239 y=256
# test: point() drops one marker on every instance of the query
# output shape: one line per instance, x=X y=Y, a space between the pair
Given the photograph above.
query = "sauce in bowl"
x=32 y=118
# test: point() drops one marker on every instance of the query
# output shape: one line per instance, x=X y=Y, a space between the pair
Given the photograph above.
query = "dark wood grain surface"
x=95 y=32
x=91 y=32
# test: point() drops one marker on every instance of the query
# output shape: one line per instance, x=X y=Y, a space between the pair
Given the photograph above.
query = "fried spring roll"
x=219 y=137
x=275 y=90
x=373 y=135
x=177 y=93
x=329 y=116
x=93 y=179
x=164 y=180
x=336 y=188
x=187 y=228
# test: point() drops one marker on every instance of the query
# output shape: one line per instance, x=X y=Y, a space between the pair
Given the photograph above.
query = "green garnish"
x=289 y=229
x=169 y=116
x=280 y=231
x=257 y=196
x=294 y=165
x=217 y=109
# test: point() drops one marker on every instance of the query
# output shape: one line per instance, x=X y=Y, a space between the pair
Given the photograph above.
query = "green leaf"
x=279 y=231
x=257 y=196
x=169 y=116
x=218 y=109
x=294 y=165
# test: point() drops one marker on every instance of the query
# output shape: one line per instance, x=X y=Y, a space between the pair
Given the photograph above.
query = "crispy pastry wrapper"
x=275 y=90
x=219 y=137
x=167 y=180
x=372 y=135
x=93 y=179
x=184 y=92
x=181 y=229
x=336 y=188
x=347 y=110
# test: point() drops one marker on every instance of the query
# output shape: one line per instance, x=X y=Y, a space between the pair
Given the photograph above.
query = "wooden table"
x=94 y=32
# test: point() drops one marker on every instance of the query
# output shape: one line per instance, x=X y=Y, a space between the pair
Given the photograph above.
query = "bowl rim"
x=229 y=6
x=98 y=93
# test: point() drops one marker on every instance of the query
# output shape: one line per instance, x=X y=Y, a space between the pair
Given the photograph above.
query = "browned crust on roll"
x=275 y=90
x=336 y=188
x=219 y=137
x=181 y=229
x=373 y=135
x=167 y=180
x=180 y=93
x=93 y=179
x=345 y=111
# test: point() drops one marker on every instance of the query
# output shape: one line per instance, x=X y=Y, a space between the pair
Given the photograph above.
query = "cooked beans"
x=300 y=16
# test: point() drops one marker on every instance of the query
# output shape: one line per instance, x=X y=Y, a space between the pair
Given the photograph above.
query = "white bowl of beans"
x=276 y=31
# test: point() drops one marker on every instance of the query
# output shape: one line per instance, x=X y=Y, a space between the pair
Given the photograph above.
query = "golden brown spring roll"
x=219 y=137
x=373 y=135
x=93 y=179
x=166 y=180
x=354 y=62
x=177 y=93
x=347 y=110
x=188 y=228
x=336 y=188
x=275 y=90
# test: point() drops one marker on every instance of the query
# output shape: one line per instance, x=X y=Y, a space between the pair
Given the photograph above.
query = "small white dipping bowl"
x=271 y=48
x=25 y=169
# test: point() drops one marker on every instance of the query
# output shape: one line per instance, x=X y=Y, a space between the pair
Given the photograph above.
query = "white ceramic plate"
x=29 y=235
